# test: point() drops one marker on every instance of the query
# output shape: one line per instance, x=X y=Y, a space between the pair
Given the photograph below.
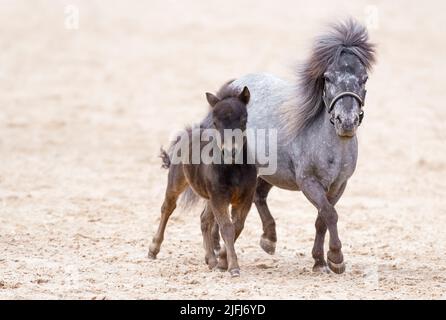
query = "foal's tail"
x=165 y=158
x=189 y=199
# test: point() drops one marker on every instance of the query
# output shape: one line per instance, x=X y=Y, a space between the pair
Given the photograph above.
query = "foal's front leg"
x=227 y=230
x=316 y=193
x=238 y=213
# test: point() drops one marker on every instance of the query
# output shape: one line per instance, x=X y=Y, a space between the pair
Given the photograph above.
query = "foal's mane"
x=346 y=36
x=226 y=91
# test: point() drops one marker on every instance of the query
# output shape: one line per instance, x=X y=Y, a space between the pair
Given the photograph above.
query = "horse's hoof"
x=320 y=268
x=337 y=268
x=267 y=245
x=235 y=273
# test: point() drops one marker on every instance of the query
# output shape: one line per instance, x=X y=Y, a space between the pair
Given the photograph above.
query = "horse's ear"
x=213 y=100
x=244 y=95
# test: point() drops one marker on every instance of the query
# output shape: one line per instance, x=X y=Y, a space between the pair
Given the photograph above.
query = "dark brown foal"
x=231 y=183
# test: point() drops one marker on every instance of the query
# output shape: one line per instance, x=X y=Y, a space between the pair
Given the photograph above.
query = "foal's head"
x=229 y=112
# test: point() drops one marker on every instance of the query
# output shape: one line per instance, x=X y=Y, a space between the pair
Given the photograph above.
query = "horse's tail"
x=189 y=199
x=165 y=158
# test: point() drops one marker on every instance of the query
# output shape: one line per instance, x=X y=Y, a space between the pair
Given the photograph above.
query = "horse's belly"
x=284 y=176
x=281 y=182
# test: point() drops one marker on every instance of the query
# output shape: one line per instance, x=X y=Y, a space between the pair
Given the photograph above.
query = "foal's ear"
x=213 y=100
x=244 y=95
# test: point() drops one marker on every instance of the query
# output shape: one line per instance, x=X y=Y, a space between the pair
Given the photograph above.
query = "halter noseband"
x=345 y=94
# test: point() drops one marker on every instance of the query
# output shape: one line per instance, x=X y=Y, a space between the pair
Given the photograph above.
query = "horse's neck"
x=323 y=133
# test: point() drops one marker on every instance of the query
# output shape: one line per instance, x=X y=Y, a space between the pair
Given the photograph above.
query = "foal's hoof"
x=151 y=255
x=211 y=262
x=222 y=265
x=337 y=268
x=235 y=273
x=267 y=245
x=153 y=251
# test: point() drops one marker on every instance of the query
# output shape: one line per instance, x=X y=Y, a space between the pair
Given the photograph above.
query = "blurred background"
x=89 y=91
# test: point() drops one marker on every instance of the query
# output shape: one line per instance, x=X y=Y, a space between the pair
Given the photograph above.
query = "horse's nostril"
x=356 y=120
x=338 y=119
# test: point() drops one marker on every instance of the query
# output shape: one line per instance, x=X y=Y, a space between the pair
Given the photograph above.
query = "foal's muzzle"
x=230 y=151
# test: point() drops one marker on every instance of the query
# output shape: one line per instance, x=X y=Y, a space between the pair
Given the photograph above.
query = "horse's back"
x=268 y=93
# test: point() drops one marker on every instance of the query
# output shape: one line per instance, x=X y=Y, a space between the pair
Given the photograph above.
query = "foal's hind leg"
x=207 y=228
x=269 y=238
x=216 y=237
x=175 y=186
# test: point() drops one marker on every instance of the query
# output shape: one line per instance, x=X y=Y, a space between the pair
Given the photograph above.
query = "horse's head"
x=230 y=113
x=344 y=93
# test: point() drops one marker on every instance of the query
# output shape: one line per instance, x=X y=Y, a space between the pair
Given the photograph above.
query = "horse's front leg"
x=321 y=229
x=327 y=215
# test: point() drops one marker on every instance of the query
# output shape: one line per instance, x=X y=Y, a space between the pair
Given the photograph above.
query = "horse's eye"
x=327 y=77
x=364 y=80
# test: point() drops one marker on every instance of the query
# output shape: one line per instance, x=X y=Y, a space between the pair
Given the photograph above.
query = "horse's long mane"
x=347 y=36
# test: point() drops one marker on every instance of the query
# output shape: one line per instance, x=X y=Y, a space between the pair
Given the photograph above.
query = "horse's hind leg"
x=318 y=249
x=269 y=238
x=207 y=228
x=175 y=186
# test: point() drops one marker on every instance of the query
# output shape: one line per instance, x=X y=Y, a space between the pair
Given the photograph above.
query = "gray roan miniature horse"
x=222 y=184
x=316 y=123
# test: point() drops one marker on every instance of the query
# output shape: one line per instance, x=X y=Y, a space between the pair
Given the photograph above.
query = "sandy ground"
x=83 y=113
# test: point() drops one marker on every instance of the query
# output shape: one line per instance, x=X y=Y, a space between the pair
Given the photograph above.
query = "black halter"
x=356 y=96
